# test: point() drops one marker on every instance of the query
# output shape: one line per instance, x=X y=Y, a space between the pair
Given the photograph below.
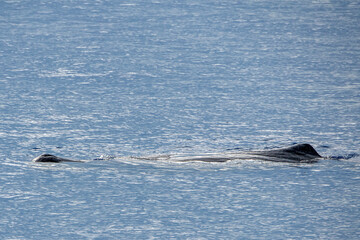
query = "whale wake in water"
x=296 y=154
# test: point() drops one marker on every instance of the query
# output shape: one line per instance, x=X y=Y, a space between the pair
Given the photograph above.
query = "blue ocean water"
x=114 y=79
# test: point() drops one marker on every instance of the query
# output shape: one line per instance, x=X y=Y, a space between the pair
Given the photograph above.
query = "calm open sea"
x=89 y=79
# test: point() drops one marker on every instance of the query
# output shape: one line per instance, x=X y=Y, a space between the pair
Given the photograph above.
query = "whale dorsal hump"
x=299 y=152
x=303 y=148
x=47 y=158
x=52 y=159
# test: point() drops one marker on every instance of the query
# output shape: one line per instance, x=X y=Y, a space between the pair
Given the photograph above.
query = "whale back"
x=299 y=152
x=51 y=158
x=303 y=153
x=303 y=149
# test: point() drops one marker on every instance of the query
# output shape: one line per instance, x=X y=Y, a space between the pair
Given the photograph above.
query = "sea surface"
x=110 y=79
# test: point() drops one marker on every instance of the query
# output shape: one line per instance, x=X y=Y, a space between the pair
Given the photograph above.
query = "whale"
x=53 y=159
x=299 y=153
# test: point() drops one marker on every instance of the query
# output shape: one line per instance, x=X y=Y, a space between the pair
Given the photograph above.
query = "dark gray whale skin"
x=297 y=153
x=300 y=153
x=52 y=159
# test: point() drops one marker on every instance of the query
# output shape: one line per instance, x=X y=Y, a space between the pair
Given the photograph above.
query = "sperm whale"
x=296 y=153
